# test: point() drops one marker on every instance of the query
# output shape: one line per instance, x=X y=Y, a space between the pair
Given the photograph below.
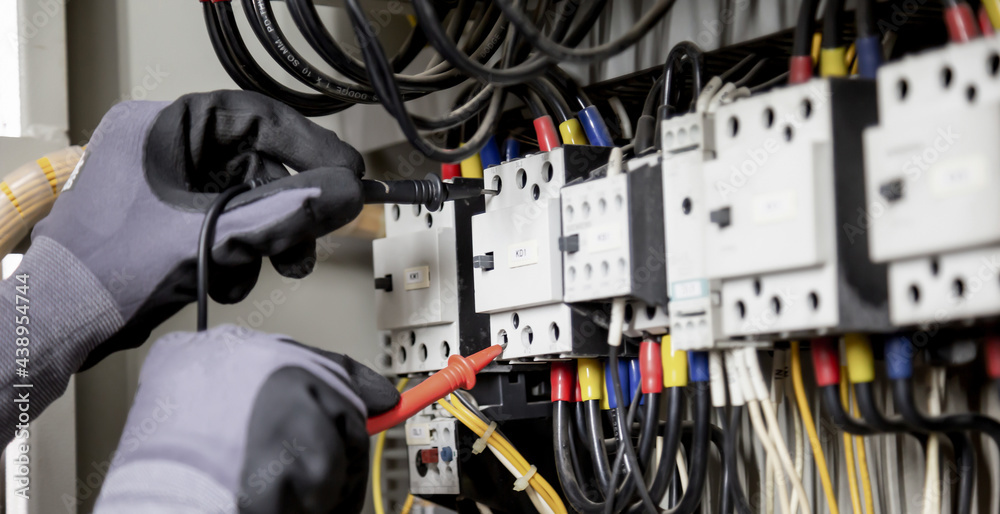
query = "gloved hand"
x=231 y=418
x=128 y=220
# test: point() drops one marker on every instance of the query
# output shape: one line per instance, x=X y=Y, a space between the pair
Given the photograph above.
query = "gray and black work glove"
x=129 y=217
x=231 y=420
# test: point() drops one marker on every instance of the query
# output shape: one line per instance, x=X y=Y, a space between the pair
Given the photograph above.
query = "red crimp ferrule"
x=961 y=23
x=450 y=170
x=650 y=367
x=545 y=131
x=826 y=361
x=460 y=372
x=800 y=69
x=563 y=381
x=992 y=345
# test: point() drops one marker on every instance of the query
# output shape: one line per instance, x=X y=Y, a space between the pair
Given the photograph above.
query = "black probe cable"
x=205 y=240
x=805 y=27
x=559 y=52
x=222 y=20
x=695 y=58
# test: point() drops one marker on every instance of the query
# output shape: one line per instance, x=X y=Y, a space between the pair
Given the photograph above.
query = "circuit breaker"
x=694 y=299
x=423 y=288
x=518 y=265
x=432 y=453
x=932 y=183
x=786 y=176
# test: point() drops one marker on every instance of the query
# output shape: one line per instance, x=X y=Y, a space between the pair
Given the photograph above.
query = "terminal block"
x=932 y=184
x=423 y=285
x=695 y=320
x=613 y=238
x=519 y=268
x=786 y=178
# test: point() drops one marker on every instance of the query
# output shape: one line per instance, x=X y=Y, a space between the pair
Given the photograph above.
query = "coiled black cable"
x=563 y=53
x=841 y=419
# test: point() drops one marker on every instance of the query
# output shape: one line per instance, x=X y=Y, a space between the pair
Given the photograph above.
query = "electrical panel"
x=518 y=275
x=932 y=185
x=783 y=180
x=422 y=278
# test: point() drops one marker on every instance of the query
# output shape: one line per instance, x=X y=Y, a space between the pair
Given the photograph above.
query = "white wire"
x=735 y=366
x=533 y=495
x=707 y=93
x=753 y=367
x=932 y=479
x=623 y=120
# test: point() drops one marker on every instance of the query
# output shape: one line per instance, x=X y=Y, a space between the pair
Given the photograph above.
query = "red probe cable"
x=460 y=372
x=826 y=361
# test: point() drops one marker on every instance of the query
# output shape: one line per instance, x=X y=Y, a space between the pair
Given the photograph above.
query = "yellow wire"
x=377 y=465
x=537 y=482
x=866 y=479
x=807 y=421
x=852 y=472
x=408 y=504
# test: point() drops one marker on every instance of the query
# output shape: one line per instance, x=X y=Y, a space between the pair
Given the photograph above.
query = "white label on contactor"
x=603 y=237
x=417 y=434
x=416 y=278
x=958 y=176
x=774 y=207
x=524 y=253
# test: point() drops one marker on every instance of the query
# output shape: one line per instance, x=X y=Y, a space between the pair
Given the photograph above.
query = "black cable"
x=770 y=83
x=804 y=28
x=569 y=87
x=724 y=76
x=225 y=34
x=841 y=419
x=205 y=241
x=954 y=426
x=726 y=500
x=745 y=79
x=561 y=53
x=865 y=397
x=564 y=468
x=864 y=19
x=553 y=98
x=695 y=58
x=631 y=461
x=697 y=457
x=832 y=23
x=615 y=496
x=388 y=90
x=668 y=451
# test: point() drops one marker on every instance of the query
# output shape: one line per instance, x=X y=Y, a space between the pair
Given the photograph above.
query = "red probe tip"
x=460 y=373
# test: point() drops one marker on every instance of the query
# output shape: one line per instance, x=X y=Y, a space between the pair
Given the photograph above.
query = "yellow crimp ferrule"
x=675 y=364
x=10 y=196
x=993 y=11
x=591 y=376
x=50 y=173
x=572 y=132
x=472 y=167
x=832 y=63
x=860 y=362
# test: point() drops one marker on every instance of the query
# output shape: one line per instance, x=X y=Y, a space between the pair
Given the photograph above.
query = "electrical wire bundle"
x=529 y=45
